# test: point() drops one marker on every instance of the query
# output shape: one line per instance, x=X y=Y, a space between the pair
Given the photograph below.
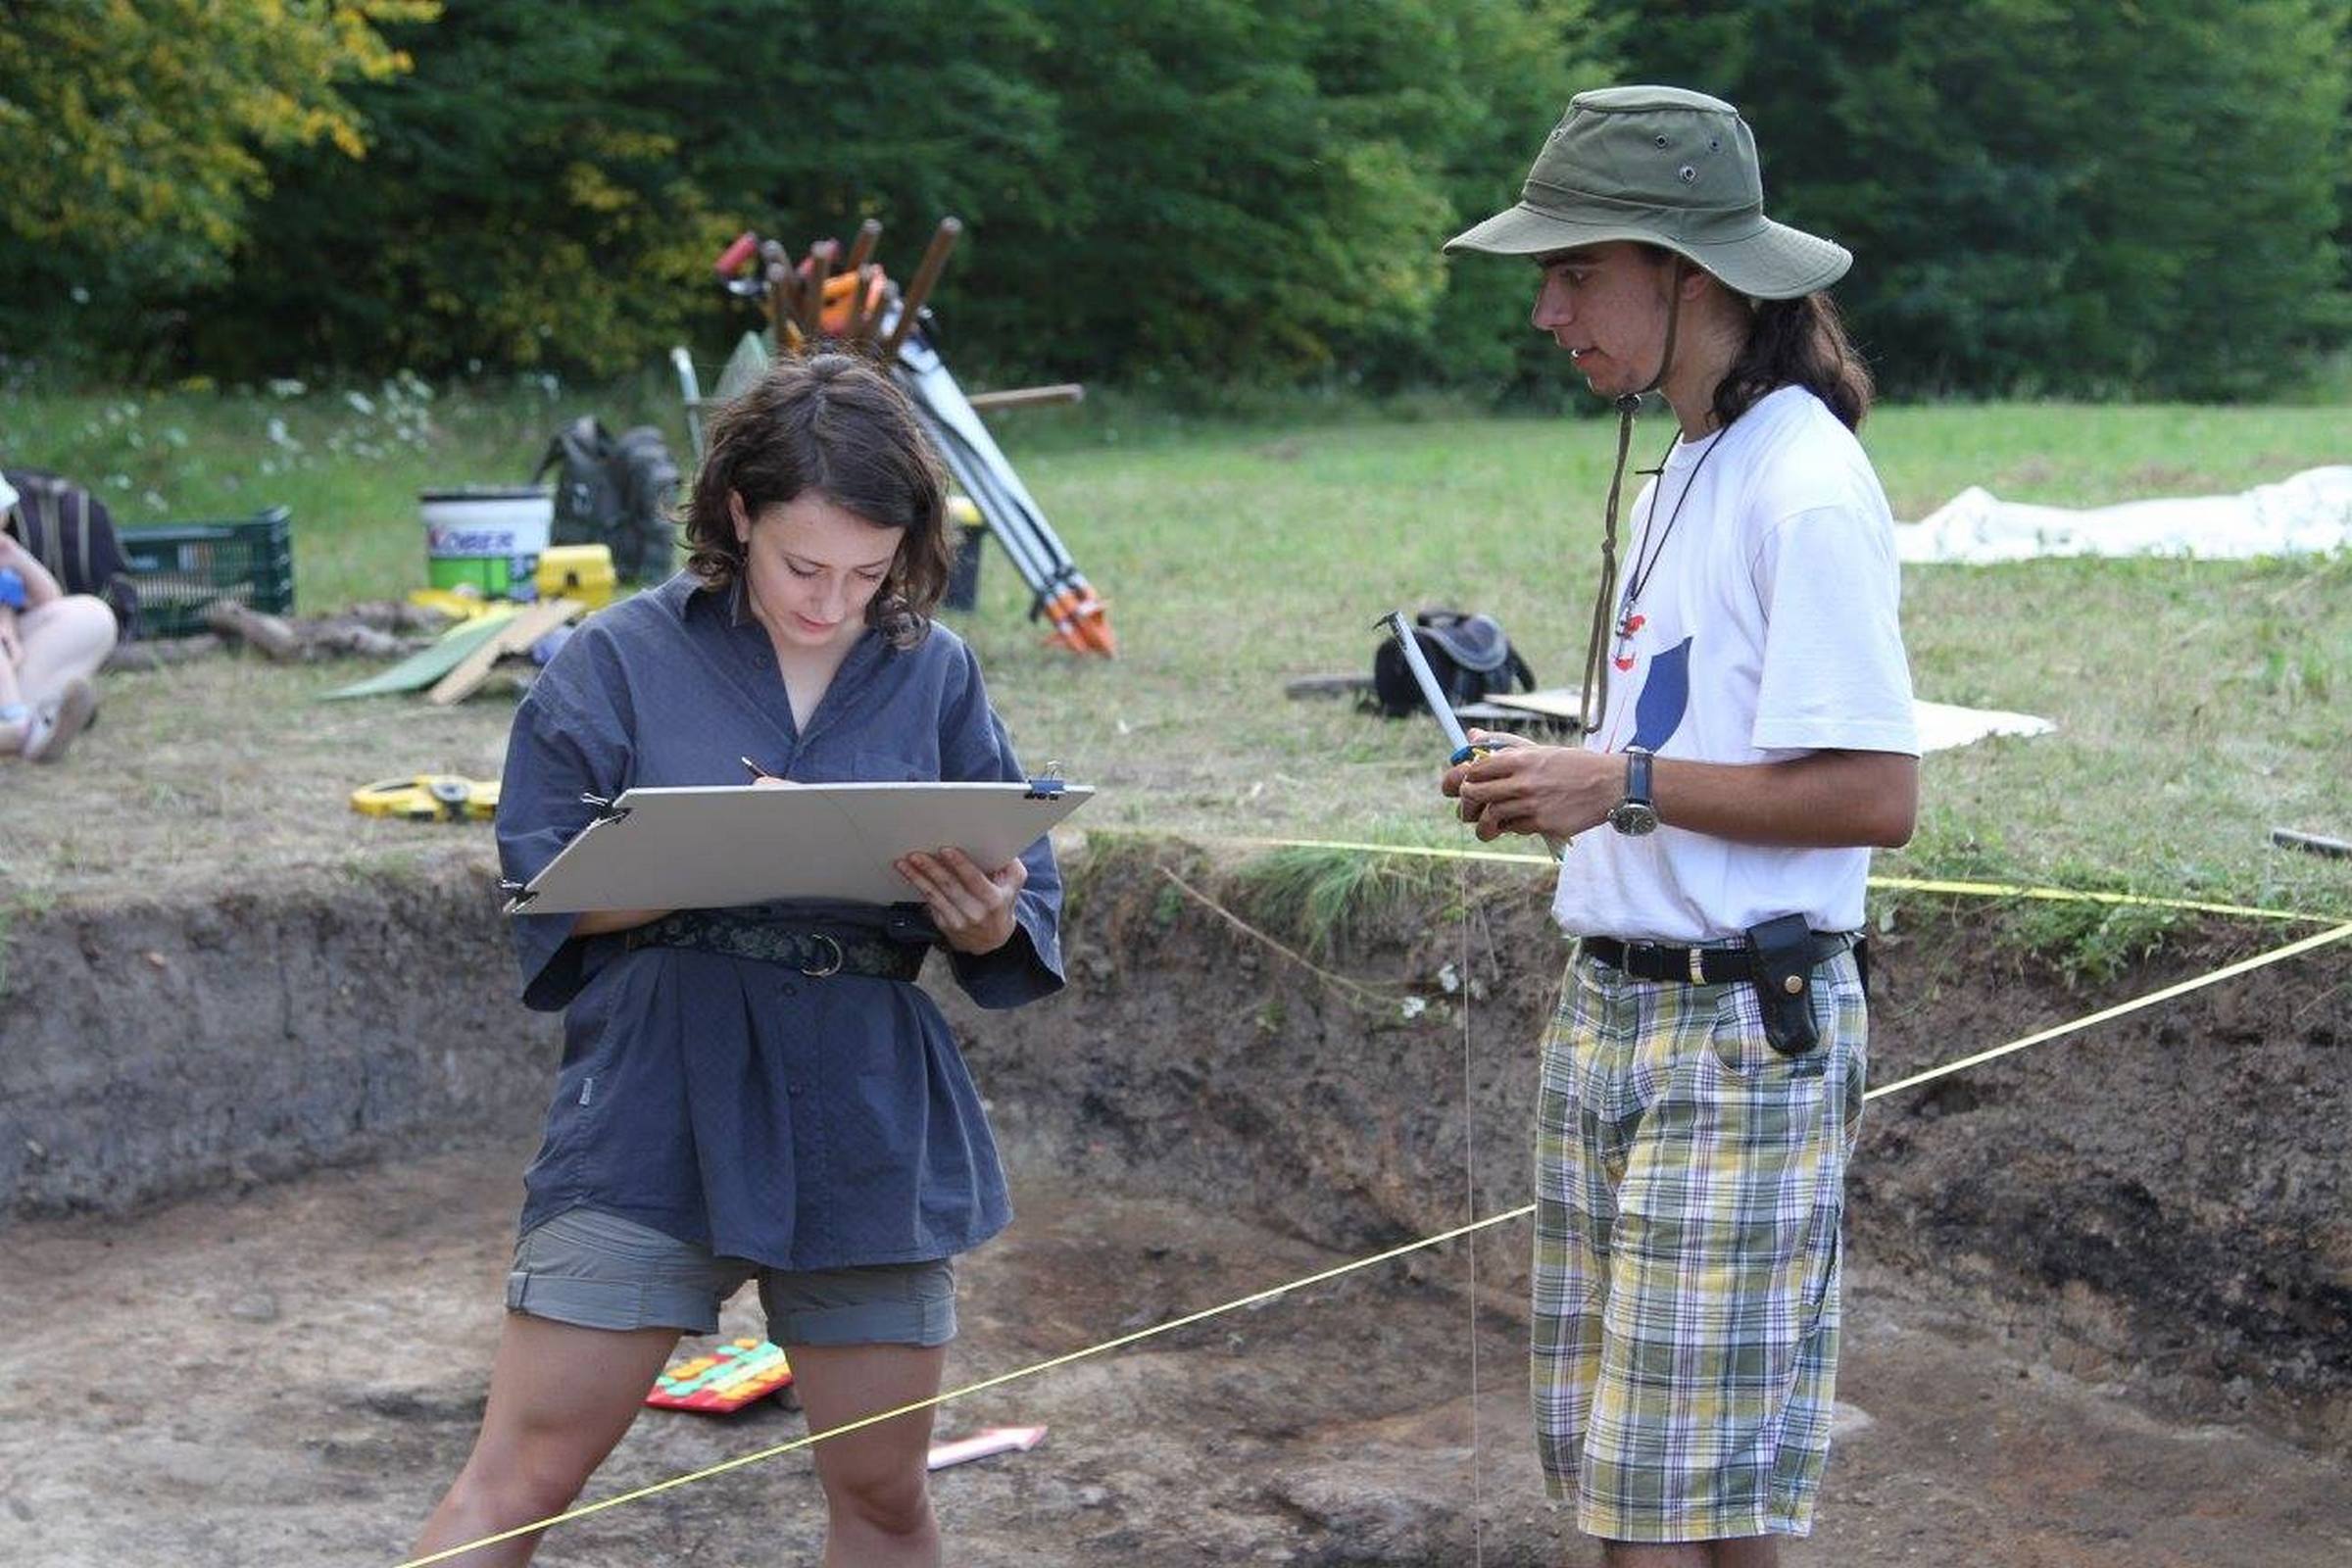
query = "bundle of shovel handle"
x=836 y=298
x=840 y=299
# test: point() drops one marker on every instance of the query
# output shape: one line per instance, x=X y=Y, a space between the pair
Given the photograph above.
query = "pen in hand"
x=760 y=775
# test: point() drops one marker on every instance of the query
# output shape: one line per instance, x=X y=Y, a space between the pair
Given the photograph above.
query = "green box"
x=181 y=568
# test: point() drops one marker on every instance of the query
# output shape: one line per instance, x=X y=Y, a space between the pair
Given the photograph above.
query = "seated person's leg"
x=65 y=642
x=64 y=639
x=15 y=713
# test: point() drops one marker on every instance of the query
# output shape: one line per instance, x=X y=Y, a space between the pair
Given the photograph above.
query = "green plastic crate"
x=181 y=567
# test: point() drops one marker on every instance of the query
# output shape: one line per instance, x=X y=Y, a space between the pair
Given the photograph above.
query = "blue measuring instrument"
x=1464 y=748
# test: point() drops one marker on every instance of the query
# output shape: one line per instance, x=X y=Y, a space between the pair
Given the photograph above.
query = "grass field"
x=2197 y=705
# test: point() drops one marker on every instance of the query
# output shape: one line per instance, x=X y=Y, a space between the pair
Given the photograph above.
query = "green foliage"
x=134 y=137
x=527 y=203
x=1322 y=897
x=2043 y=196
x=1195 y=198
x=1182 y=193
x=1258 y=191
x=2094 y=942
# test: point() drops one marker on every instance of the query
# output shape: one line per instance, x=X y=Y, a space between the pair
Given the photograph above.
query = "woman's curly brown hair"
x=834 y=424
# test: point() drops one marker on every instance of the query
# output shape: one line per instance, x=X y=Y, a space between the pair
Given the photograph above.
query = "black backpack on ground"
x=615 y=492
x=1468 y=654
x=70 y=532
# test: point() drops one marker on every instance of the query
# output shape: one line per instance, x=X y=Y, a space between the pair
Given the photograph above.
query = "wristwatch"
x=1635 y=815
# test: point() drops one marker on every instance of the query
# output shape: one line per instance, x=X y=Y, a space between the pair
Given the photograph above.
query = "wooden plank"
x=1349 y=685
x=1553 y=702
x=429 y=665
x=1028 y=396
x=514 y=635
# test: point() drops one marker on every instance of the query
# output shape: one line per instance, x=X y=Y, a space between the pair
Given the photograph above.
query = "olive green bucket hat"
x=1664 y=167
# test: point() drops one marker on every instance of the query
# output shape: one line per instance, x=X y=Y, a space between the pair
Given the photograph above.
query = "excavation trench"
x=258 y=1133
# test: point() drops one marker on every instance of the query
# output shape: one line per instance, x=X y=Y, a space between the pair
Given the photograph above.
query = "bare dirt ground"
x=289 y=1376
x=2094 y=1287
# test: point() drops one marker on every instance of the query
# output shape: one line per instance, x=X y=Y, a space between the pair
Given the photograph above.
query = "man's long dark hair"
x=1798 y=342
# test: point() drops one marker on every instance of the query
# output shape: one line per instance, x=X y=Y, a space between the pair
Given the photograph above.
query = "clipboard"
x=711 y=847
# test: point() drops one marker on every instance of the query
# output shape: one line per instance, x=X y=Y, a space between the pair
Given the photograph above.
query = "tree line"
x=2145 y=199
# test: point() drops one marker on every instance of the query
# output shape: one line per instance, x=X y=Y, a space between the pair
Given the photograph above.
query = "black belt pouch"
x=1780 y=954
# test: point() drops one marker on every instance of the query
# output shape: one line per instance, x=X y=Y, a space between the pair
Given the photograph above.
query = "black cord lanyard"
x=1649 y=550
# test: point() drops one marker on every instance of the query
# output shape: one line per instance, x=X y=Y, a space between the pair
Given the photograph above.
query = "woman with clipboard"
x=760 y=1093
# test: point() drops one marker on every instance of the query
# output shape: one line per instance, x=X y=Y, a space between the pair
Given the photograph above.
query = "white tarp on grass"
x=2309 y=514
x=1942 y=726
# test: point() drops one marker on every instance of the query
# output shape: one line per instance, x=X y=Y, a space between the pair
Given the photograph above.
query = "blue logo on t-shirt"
x=1665 y=696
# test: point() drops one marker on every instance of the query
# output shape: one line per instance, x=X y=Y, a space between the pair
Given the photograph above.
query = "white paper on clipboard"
x=714 y=847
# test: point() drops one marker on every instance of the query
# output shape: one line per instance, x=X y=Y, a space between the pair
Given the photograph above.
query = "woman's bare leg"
x=877 y=1488
x=64 y=639
x=559 y=1398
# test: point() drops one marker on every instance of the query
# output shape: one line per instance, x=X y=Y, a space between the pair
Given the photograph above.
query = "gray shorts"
x=599 y=1271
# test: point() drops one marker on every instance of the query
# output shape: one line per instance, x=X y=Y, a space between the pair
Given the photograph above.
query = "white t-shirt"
x=1766 y=629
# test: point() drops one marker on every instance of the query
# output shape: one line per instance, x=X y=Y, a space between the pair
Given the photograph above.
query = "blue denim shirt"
x=798 y=1122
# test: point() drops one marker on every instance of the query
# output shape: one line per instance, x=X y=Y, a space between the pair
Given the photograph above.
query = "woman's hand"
x=972 y=907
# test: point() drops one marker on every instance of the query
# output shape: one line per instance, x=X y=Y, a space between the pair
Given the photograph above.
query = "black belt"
x=1711 y=967
x=815 y=950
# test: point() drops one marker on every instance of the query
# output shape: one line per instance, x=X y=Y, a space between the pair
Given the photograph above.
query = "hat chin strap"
x=1593 y=703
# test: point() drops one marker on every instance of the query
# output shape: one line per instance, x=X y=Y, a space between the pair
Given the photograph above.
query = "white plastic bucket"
x=489 y=538
x=487 y=522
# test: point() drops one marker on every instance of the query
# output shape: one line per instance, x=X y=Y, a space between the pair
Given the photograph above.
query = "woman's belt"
x=815 y=950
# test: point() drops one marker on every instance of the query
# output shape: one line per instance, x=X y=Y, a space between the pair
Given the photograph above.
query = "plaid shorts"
x=1689 y=1186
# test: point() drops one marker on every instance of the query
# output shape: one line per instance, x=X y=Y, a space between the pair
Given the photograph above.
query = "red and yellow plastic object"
x=725 y=1378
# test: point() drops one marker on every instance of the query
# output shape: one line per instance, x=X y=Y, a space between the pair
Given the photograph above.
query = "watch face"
x=1632 y=818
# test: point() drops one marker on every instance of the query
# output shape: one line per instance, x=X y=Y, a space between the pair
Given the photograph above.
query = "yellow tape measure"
x=428 y=797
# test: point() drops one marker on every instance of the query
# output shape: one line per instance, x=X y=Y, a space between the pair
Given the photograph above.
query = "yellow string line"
x=1907 y=884
x=2226 y=972
x=1428 y=851
x=1002 y=1378
x=1985 y=890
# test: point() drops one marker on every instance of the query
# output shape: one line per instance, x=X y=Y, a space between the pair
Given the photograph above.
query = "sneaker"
x=59 y=718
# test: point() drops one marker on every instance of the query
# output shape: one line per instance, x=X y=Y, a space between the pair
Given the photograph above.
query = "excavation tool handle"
x=865 y=301
x=926 y=274
x=861 y=249
x=1028 y=396
x=816 y=272
x=736 y=254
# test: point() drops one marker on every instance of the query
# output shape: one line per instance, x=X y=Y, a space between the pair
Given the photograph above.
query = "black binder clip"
x=1047 y=786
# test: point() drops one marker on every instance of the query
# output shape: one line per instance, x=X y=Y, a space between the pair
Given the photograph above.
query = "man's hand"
x=1556 y=791
x=972 y=907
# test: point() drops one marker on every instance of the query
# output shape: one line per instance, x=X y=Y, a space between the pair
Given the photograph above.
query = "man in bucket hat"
x=1748 y=737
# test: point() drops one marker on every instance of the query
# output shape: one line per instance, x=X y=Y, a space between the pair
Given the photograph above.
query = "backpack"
x=72 y=534
x=1468 y=654
x=614 y=492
